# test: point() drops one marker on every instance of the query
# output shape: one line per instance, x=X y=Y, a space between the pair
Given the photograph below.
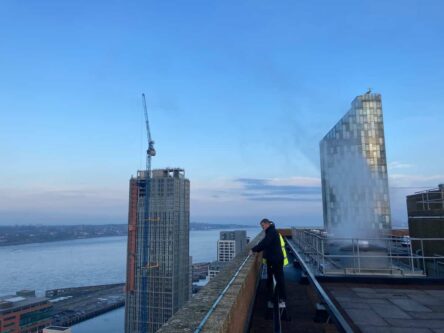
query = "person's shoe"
x=282 y=305
x=270 y=304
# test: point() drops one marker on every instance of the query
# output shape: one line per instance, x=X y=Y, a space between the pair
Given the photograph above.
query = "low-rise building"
x=215 y=268
x=24 y=312
x=200 y=271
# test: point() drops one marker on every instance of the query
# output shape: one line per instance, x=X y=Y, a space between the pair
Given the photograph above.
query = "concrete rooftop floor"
x=406 y=308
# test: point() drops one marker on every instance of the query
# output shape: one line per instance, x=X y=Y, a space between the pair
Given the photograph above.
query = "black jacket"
x=271 y=245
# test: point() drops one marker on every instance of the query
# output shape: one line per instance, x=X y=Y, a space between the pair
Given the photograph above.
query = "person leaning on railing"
x=275 y=256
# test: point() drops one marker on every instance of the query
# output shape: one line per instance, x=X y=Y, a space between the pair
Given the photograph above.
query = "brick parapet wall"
x=231 y=314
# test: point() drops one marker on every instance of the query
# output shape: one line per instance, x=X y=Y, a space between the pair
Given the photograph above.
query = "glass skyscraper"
x=354 y=172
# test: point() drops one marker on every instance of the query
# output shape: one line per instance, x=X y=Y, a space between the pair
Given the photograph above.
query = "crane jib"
x=150 y=151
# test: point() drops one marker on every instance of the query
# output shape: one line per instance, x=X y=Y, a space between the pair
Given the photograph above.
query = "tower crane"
x=150 y=151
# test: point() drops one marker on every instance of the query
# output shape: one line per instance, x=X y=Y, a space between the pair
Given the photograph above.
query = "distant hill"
x=27 y=234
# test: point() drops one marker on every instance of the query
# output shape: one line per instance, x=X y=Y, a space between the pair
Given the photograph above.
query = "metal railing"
x=400 y=256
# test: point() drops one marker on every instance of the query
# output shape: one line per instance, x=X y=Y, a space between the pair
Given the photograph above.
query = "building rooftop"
x=11 y=303
x=438 y=189
x=391 y=306
x=235 y=301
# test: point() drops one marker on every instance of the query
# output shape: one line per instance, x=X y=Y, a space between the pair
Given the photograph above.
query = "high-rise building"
x=158 y=263
x=355 y=192
x=230 y=244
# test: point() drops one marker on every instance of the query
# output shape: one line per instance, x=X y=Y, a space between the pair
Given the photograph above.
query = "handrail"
x=219 y=298
x=336 y=314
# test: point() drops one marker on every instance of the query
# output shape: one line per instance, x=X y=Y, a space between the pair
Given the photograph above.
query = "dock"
x=74 y=305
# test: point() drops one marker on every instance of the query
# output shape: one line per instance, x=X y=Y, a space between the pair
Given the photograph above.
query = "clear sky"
x=239 y=94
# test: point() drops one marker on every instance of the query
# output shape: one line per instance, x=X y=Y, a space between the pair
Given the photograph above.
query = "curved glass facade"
x=354 y=171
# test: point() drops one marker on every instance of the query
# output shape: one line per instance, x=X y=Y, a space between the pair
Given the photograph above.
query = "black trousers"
x=276 y=270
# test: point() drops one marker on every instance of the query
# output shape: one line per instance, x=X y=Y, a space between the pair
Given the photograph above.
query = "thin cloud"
x=68 y=200
x=282 y=199
x=399 y=165
x=415 y=181
x=256 y=189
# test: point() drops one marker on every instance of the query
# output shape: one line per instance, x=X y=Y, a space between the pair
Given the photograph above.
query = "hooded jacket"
x=271 y=245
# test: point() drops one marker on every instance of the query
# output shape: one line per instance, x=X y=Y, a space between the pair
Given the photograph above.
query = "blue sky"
x=239 y=94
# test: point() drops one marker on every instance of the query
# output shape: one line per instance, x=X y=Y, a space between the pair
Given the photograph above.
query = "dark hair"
x=266 y=221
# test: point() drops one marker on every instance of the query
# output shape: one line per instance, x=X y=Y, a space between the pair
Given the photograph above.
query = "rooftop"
x=390 y=306
x=234 y=301
x=10 y=303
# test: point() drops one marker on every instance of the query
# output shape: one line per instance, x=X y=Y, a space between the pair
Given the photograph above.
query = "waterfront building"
x=158 y=263
x=355 y=192
x=425 y=212
x=230 y=244
x=24 y=312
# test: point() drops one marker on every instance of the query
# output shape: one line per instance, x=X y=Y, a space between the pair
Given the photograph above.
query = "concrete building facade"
x=355 y=192
x=230 y=244
x=158 y=263
x=425 y=212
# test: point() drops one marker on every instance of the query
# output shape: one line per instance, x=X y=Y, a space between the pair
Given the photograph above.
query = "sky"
x=239 y=95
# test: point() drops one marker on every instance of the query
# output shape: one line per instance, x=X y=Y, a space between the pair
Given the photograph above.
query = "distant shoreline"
x=56 y=240
x=36 y=234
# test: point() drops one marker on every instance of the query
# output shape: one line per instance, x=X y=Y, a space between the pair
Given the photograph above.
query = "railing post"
x=423 y=257
x=359 y=258
x=353 y=253
x=323 y=256
x=390 y=252
x=411 y=256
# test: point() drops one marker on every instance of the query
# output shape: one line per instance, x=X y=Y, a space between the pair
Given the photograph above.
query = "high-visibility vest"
x=284 y=252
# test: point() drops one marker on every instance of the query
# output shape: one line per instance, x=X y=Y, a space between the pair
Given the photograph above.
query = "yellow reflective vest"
x=284 y=252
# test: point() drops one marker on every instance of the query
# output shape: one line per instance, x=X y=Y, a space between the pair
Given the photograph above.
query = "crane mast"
x=150 y=151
